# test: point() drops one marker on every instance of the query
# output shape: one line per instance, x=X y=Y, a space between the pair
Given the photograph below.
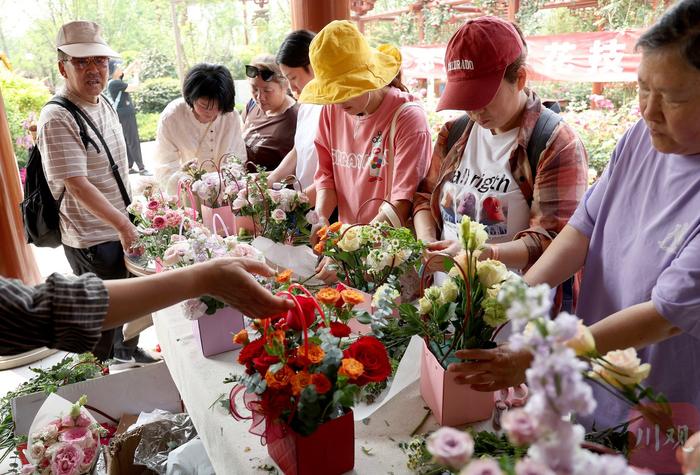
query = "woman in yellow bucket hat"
x=360 y=158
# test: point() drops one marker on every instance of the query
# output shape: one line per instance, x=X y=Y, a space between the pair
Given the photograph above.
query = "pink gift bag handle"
x=216 y=217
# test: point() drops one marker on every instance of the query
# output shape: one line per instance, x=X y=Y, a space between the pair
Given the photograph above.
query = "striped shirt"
x=64 y=156
x=65 y=313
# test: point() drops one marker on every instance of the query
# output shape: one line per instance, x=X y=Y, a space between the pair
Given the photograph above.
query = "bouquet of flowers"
x=303 y=369
x=367 y=256
x=280 y=214
x=158 y=218
x=215 y=188
x=463 y=312
x=67 y=445
x=202 y=245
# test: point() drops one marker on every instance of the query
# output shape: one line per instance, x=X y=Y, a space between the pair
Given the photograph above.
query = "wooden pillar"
x=16 y=257
x=513 y=7
x=314 y=15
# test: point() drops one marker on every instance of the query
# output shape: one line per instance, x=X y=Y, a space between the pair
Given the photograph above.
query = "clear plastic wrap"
x=159 y=437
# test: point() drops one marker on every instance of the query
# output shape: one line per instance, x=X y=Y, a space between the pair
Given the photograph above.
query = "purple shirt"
x=643 y=221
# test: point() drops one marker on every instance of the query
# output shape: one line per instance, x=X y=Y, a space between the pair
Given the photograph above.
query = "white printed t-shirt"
x=483 y=188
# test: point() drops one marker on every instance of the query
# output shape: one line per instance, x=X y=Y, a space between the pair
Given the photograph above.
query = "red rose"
x=321 y=382
x=252 y=350
x=263 y=362
x=340 y=287
x=369 y=351
x=339 y=329
x=273 y=403
x=295 y=319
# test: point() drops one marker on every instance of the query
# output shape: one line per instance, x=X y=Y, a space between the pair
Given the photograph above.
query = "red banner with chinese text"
x=605 y=56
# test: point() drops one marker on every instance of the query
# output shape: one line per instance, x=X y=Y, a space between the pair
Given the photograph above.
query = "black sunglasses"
x=253 y=72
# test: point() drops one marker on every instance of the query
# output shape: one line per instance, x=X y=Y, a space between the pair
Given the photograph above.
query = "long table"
x=232 y=449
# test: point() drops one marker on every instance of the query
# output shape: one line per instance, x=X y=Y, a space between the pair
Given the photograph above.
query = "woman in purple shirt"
x=636 y=233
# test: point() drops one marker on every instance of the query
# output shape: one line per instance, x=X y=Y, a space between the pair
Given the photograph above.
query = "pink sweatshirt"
x=352 y=155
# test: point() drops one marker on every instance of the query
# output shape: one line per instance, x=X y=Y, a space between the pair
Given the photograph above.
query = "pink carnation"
x=159 y=222
x=173 y=218
x=66 y=459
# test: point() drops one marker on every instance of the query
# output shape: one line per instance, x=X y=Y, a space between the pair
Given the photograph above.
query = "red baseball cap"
x=476 y=59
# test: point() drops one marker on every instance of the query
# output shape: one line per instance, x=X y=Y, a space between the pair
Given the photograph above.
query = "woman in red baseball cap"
x=488 y=173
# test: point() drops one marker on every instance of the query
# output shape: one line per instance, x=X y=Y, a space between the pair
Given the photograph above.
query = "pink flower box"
x=214 y=333
x=226 y=216
x=452 y=404
x=330 y=450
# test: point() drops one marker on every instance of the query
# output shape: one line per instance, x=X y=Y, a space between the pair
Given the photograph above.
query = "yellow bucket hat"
x=345 y=66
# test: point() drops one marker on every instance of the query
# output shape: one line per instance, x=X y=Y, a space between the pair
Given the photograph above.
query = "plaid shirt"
x=65 y=313
x=561 y=179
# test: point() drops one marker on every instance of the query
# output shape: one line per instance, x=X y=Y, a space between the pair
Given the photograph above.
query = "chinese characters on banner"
x=604 y=56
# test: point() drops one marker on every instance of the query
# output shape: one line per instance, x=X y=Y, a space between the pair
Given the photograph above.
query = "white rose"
x=174 y=253
x=275 y=195
x=433 y=293
x=279 y=215
x=622 y=368
x=449 y=291
x=491 y=272
x=349 y=243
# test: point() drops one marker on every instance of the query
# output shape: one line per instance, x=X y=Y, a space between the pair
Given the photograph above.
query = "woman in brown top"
x=270 y=120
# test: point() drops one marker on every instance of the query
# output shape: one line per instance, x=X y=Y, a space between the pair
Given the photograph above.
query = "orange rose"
x=319 y=247
x=284 y=276
x=300 y=381
x=314 y=355
x=328 y=296
x=241 y=337
x=322 y=383
x=277 y=335
x=322 y=233
x=351 y=368
x=335 y=227
x=352 y=297
x=280 y=379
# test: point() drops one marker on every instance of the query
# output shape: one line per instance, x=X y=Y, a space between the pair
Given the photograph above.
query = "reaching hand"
x=437 y=248
x=231 y=280
x=491 y=370
x=129 y=238
x=325 y=271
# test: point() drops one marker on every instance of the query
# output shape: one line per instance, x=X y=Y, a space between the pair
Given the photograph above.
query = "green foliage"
x=148 y=124
x=22 y=97
x=156 y=64
x=69 y=370
x=155 y=94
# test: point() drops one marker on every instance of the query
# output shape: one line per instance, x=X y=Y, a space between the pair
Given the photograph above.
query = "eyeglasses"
x=265 y=74
x=83 y=63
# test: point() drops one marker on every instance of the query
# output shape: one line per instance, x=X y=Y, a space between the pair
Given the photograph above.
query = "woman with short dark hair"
x=636 y=233
x=202 y=125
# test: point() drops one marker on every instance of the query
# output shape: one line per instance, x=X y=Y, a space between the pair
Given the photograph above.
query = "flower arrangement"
x=541 y=438
x=202 y=245
x=281 y=214
x=366 y=256
x=215 y=188
x=303 y=369
x=68 y=445
x=160 y=220
x=463 y=311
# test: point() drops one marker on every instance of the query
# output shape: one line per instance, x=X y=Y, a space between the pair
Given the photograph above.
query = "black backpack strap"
x=113 y=166
x=458 y=128
x=544 y=128
x=73 y=109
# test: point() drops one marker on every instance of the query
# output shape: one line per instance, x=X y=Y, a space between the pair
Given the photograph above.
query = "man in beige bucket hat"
x=92 y=196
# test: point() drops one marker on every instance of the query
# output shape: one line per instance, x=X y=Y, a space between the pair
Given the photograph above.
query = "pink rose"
x=66 y=459
x=450 y=447
x=83 y=420
x=77 y=435
x=150 y=214
x=89 y=455
x=159 y=222
x=520 y=426
x=28 y=469
x=279 y=215
x=482 y=467
x=173 y=218
x=153 y=205
x=246 y=250
x=312 y=217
